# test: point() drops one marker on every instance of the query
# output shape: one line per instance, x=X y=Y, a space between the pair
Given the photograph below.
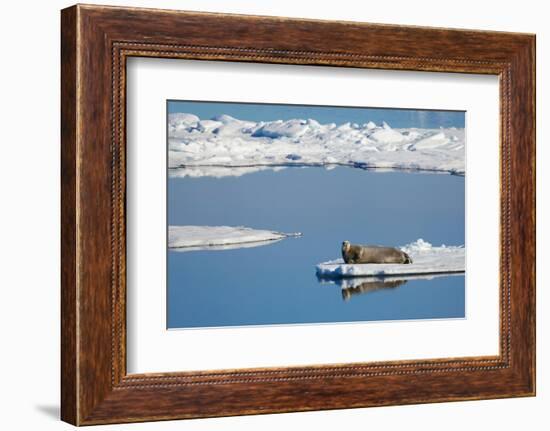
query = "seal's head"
x=345 y=246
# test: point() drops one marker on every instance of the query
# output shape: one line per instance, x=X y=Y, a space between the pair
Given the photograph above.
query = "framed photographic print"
x=265 y=215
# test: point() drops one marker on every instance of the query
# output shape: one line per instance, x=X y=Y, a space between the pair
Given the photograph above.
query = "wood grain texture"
x=69 y=366
x=96 y=41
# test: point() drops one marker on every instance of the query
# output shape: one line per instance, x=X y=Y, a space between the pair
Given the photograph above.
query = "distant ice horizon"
x=227 y=146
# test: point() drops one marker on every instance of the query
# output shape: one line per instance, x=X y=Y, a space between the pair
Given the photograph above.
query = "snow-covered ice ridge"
x=426 y=258
x=188 y=238
x=230 y=146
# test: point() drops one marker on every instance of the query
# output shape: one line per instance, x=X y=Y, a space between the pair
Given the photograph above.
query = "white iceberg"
x=192 y=238
x=426 y=258
x=229 y=146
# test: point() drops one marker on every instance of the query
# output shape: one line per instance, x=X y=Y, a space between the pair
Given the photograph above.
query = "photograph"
x=286 y=214
x=284 y=211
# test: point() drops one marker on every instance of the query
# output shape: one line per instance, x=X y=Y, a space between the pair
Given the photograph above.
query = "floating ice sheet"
x=427 y=259
x=190 y=238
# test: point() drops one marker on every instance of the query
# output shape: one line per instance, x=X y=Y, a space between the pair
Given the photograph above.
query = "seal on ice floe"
x=373 y=254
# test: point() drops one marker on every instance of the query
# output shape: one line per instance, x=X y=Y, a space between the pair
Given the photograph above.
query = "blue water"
x=276 y=283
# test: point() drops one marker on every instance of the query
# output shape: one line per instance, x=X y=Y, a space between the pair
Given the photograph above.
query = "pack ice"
x=224 y=146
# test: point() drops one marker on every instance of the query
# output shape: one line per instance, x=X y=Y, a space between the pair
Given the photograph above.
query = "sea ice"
x=229 y=146
x=427 y=259
x=191 y=238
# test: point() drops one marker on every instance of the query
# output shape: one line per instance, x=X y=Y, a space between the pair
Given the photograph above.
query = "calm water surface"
x=276 y=283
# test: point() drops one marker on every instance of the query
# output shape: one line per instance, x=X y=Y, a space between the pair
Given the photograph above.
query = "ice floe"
x=192 y=238
x=227 y=146
x=427 y=259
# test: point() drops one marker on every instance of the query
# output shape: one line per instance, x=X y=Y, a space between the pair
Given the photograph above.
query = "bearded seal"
x=373 y=254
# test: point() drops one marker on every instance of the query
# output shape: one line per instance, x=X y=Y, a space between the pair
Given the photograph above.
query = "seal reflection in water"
x=370 y=286
x=373 y=254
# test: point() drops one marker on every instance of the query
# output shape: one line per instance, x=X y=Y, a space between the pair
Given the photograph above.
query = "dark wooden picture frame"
x=96 y=41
